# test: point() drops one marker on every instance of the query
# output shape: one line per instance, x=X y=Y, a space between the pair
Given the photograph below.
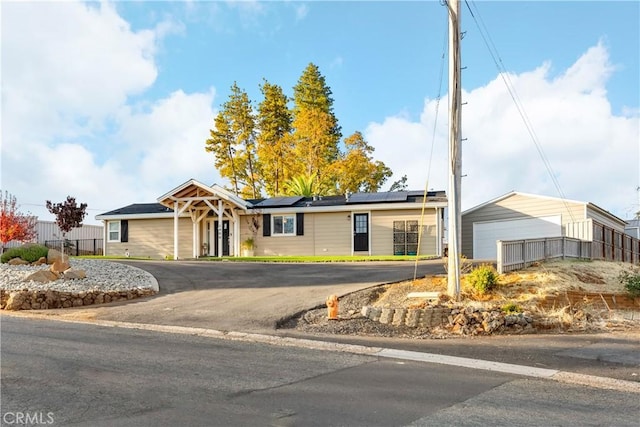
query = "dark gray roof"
x=275 y=202
x=140 y=208
x=299 y=201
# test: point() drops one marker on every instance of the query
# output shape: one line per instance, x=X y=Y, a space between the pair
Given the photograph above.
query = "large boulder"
x=15 y=301
x=42 y=276
x=55 y=255
x=17 y=261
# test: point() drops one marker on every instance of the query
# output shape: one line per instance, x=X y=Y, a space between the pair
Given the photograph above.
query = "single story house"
x=516 y=216
x=195 y=219
x=633 y=228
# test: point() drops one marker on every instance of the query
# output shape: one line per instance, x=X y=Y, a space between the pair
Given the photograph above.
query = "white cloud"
x=68 y=65
x=166 y=145
x=69 y=71
x=593 y=152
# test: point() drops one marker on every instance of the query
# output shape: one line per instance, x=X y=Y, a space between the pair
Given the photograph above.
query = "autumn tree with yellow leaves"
x=295 y=150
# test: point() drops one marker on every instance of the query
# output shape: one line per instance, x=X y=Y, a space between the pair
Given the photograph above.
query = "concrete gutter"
x=463 y=362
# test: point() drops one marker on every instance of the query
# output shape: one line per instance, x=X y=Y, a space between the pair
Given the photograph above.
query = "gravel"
x=352 y=322
x=101 y=275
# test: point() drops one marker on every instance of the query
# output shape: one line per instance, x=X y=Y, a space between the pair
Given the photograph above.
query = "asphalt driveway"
x=248 y=297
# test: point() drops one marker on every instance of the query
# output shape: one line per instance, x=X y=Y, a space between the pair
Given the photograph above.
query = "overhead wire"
x=502 y=71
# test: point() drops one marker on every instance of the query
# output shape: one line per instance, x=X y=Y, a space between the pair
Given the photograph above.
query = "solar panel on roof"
x=279 y=201
x=395 y=196
x=391 y=196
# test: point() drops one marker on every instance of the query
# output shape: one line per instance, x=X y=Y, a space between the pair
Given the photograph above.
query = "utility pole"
x=455 y=152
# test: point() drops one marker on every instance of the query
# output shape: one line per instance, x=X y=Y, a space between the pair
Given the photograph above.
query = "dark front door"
x=360 y=232
x=225 y=238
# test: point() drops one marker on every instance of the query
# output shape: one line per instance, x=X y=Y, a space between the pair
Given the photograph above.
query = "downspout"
x=105 y=224
x=438 y=233
x=194 y=232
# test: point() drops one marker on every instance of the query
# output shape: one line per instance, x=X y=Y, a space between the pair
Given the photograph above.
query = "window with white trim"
x=283 y=225
x=114 y=231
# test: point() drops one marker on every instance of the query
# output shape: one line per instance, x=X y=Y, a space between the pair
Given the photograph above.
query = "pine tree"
x=316 y=131
x=274 y=142
x=234 y=146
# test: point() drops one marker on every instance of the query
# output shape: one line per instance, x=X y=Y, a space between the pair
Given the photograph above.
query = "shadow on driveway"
x=247 y=297
x=180 y=276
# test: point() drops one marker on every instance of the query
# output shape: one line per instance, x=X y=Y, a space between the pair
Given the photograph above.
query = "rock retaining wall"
x=467 y=321
x=41 y=300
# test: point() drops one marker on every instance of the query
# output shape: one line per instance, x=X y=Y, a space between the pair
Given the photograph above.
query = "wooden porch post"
x=195 y=237
x=175 y=229
x=236 y=232
x=219 y=230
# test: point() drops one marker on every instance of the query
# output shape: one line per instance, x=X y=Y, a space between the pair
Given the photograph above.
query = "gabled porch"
x=215 y=217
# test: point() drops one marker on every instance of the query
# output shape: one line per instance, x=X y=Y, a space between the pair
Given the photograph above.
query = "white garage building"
x=516 y=216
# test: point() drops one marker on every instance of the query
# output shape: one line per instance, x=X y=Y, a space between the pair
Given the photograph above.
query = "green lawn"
x=286 y=258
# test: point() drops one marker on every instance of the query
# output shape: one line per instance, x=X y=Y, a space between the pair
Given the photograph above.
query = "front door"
x=361 y=232
x=225 y=238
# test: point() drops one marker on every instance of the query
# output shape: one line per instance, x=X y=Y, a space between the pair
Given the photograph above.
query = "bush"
x=30 y=252
x=631 y=282
x=511 y=308
x=483 y=278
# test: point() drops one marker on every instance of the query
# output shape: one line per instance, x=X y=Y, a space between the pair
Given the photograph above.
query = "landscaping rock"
x=73 y=274
x=41 y=261
x=16 y=300
x=54 y=255
x=17 y=261
x=59 y=266
x=42 y=276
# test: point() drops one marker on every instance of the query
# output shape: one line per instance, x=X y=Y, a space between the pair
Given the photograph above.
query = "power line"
x=433 y=141
x=502 y=71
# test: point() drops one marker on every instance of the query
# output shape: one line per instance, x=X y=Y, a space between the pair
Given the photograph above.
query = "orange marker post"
x=332 y=307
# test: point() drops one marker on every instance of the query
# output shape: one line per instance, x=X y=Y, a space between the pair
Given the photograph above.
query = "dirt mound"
x=567 y=295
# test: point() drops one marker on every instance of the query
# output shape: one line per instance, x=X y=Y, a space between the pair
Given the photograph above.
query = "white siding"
x=153 y=238
x=518 y=206
x=48 y=230
x=605 y=220
x=486 y=234
x=331 y=233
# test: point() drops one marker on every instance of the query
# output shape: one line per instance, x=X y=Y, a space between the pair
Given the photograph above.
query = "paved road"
x=252 y=297
x=245 y=296
x=613 y=355
x=88 y=375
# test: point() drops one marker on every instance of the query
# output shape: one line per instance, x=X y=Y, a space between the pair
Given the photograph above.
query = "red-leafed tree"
x=14 y=225
x=68 y=215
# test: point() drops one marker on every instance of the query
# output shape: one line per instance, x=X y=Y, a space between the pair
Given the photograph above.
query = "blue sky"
x=111 y=102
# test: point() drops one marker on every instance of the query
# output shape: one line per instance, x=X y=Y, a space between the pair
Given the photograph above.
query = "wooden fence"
x=612 y=245
x=607 y=244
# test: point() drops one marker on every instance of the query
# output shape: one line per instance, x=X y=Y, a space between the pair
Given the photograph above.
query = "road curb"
x=507 y=368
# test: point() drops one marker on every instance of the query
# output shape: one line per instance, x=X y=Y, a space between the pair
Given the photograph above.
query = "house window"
x=284 y=225
x=114 y=231
x=405 y=237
